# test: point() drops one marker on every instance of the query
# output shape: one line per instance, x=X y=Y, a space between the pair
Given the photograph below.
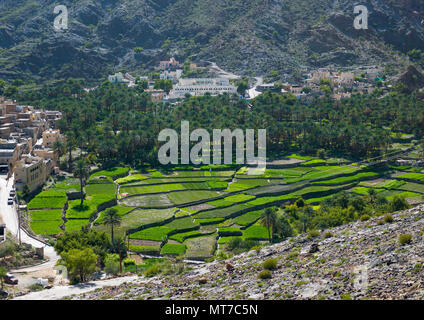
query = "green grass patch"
x=173 y=249
x=182 y=224
x=110 y=174
x=413 y=176
x=131 y=178
x=47 y=203
x=209 y=221
x=121 y=210
x=149 y=250
x=76 y=224
x=321 y=172
x=182 y=236
x=255 y=232
x=229 y=231
x=230 y=200
x=247 y=218
x=52 y=193
x=393 y=184
x=154 y=234
x=360 y=175
x=182 y=197
x=138 y=218
x=414 y=187
x=46 y=215
x=174 y=187
x=101 y=188
x=50 y=227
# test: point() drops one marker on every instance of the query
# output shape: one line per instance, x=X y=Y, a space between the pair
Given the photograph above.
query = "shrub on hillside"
x=328 y=234
x=270 y=264
x=405 y=239
x=388 y=218
x=364 y=217
x=264 y=274
x=313 y=234
x=112 y=264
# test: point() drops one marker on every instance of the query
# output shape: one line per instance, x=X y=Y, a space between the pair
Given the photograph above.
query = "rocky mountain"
x=242 y=36
x=362 y=260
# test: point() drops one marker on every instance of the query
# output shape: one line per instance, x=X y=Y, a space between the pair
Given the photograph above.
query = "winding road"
x=10 y=217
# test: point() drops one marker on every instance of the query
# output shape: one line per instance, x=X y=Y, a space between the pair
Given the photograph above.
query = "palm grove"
x=114 y=124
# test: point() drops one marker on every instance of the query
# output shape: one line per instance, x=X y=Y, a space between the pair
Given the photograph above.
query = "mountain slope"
x=240 y=35
x=361 y=252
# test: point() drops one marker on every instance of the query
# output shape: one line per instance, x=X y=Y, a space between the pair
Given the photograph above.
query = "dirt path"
x=60 y=292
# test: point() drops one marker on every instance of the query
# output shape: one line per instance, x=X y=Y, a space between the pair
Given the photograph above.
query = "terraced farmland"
x=192 y=212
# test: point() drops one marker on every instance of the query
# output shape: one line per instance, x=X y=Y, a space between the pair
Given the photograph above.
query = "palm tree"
x=372 y=194
x=82 y=172
x=269 y=219
x=59 y=148
x=112 y=218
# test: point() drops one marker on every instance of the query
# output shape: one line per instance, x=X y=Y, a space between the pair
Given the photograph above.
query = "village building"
x=171 y=64
x=174 y=76
x=50 y=136
x=201 y=86
x=119 y=77
x=31 y=172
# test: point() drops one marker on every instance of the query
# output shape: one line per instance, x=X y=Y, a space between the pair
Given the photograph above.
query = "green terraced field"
x=247 y=218
x=203 y=221
x=174 y=187
x=131 y=179
x=46 y=215
x=356 y=177
x=413 y=176
x=204 y=173
x=76 y=211
x=365 y=191
x=149 y=250
x=255 y=232
x=153 y=181
x=121 y=210
x=414 y=187
x=138 y=218
x=230 y=200
x=173 y=249
x=154 y=234
x=322 y=172
x=110 y=174
x=223 y=212
x=52 y=193
x=49 y=227
x=153 y=200
x=101 y=188
x=183 y=197
x=47 y=203
x=180 y=237
x=76 y=224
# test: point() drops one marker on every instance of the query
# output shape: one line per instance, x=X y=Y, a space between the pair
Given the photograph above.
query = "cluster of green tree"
x=85 y=251
x=115 y=123
x=340 y=209
x=416 y=55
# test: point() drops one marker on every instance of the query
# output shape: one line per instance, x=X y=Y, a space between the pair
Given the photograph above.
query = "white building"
x=174 y=76
x=122 y=78
x=198 y=87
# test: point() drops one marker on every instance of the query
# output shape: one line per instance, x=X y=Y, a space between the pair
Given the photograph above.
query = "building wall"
x=50 y=137
x=33 y=174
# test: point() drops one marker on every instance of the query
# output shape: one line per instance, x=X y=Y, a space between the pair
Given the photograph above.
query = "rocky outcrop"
x=361 y=260
x=412 y=79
